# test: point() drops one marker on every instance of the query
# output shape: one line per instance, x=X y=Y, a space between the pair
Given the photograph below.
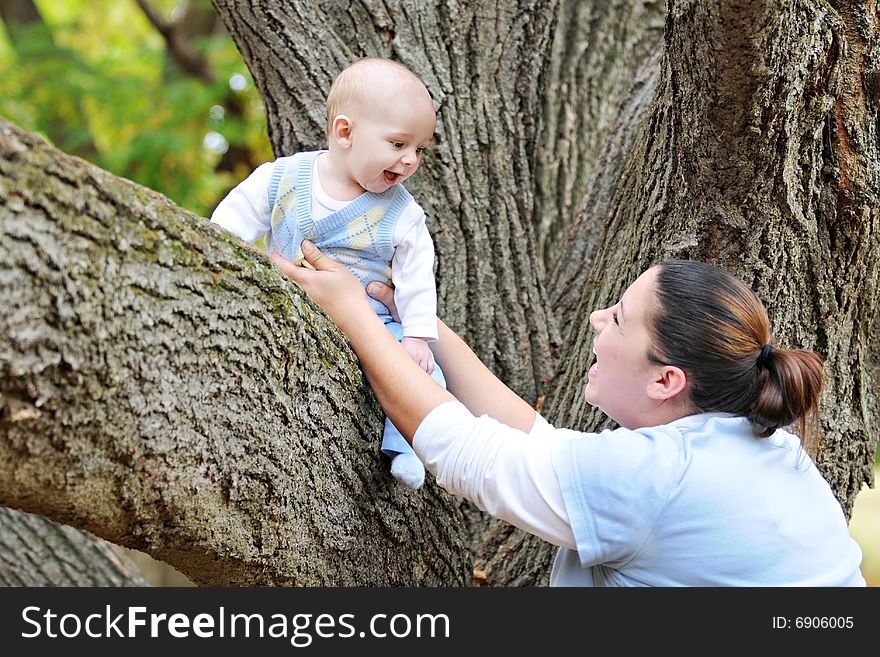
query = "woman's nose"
x=596 y=320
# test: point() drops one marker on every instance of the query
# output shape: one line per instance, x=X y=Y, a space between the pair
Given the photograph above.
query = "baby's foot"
x=408 y=469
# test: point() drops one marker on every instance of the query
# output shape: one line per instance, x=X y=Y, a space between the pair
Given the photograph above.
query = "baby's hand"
x=420 y=352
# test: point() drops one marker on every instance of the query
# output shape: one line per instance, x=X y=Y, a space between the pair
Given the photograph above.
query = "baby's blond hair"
x=357 y=84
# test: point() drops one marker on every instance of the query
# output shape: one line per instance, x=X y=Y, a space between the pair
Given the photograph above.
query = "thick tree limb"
x=165 y=388
x=35 y=551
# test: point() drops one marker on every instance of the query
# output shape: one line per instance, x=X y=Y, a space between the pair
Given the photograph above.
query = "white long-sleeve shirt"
x=245 y=212
x=505 y=472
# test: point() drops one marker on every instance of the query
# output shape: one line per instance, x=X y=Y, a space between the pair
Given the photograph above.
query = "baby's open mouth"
x=391 y=177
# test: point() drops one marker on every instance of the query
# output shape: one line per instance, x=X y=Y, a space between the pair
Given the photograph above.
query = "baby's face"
x=388 y=139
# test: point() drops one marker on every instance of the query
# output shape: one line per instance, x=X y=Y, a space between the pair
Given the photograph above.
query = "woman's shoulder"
x=658 y=456
x=658 y=450
x=632 y=471
x=665 y=435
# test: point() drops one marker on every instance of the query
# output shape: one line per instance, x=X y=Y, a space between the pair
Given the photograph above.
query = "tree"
x=166 y=389
x=37 y=552
x=198 y=21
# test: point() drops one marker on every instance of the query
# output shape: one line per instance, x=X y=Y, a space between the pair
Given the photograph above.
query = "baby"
x=350 y=202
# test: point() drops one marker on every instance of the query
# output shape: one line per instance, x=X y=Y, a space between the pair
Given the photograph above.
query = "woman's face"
x=619 y=378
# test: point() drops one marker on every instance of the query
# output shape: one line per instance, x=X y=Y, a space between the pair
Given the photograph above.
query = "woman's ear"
x=667 y=383
x=340 y=130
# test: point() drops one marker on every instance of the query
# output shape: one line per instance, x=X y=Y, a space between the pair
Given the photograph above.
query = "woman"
x=700 y=485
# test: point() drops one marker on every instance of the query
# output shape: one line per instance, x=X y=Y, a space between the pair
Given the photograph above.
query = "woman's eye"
x=614 y=317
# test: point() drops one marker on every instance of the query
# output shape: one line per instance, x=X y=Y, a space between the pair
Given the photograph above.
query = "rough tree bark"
x=160 y=388
x=759 y=151
x=598 y=48
x=35 y=551
x=481 y=61
x=751 y=142
x=598 y=84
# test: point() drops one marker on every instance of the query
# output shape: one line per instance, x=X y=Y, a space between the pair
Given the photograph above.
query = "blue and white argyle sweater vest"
x=359 y=236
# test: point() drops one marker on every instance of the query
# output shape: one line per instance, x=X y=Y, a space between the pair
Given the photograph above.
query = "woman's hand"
x=330 y=285
x=404 y=391
x=384 y=294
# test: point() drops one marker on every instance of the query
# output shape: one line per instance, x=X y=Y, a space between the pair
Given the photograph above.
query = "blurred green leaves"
x=95 y=78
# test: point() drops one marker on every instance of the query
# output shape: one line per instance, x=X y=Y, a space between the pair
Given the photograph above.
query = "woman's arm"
x=472 y=383
x=503 y=470
x=405 y=392
x=475 y=386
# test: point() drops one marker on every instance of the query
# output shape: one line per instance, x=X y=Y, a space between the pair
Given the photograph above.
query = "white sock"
x=408 y=469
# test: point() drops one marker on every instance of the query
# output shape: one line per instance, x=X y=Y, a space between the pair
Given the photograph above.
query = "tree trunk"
x=589 y=111
x=598 y=48
x=760 y=154
x=35 y=551
x=481 y=61
x=165 y=388
x=566 y=278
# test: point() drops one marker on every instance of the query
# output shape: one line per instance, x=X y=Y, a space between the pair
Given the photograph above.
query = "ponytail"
x=713 y=326
x=787 y=387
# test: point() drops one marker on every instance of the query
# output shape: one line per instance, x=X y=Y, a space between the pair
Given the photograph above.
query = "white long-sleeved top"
x=505 y=472
x=696 y=502
x=245 y=212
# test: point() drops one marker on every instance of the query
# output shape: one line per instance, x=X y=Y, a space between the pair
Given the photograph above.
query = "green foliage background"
x=97 y=81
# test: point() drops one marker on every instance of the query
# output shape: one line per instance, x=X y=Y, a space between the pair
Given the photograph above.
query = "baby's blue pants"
x=392 y=440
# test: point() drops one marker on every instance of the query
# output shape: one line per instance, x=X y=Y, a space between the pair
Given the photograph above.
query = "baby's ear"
x=340 y=130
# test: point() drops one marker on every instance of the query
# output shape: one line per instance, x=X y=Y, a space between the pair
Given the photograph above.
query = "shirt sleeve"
x=245 y=210
x=505 y=472
x=412 y=272
x=615 y=485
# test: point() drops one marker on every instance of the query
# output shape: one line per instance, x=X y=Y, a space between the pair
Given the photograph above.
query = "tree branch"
x=185 y=56
x=164 y=387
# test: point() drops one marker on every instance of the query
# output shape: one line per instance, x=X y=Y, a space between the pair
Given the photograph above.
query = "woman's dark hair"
x=711 y=325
